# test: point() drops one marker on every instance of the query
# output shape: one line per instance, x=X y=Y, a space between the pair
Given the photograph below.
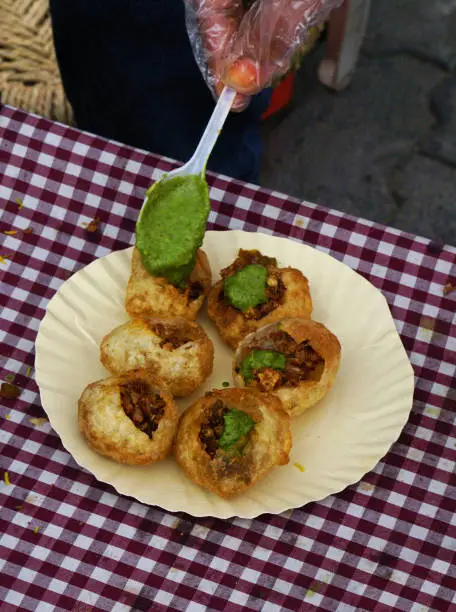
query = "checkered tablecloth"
x=70 y=543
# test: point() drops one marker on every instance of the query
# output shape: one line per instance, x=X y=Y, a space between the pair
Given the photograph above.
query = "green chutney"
x=171 y=226
x=247 y=288
x=237 y=425
x=259 y=359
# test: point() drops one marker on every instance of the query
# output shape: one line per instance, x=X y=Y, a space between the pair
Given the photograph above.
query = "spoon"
x=197 y=163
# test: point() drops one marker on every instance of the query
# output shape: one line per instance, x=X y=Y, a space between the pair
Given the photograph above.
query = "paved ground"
x=385 y=148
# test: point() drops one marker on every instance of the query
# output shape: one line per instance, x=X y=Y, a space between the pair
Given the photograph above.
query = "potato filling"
x=195 y=290
x=212 y=428
x=143 y=406
x=171 y=337
x=301 y=362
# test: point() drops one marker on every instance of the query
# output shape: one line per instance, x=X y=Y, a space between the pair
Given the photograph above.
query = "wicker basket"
x=29 y=75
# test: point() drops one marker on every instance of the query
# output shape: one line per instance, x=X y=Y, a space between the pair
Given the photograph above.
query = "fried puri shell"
x=103 y=416
x=296 y=398
x=269 y=442
x=153 y=296
x=234 y=325
x=176 y=350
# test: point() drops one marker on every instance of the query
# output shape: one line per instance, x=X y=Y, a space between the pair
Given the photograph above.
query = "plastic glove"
x=212 y=26
x=249 y=49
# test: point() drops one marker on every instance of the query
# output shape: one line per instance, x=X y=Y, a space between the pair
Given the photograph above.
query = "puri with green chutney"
x=295 y=359
x=231 y=438
x=170 y=273
x=252 y=292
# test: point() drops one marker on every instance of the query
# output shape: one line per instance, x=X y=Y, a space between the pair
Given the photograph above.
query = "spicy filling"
x=288 y=364
x=194 y=291
x=142 y=406
x=272 y=288
x=246 y=258
x=171 y=338
x=212 y=428
x=226 y=429
x=275 y=291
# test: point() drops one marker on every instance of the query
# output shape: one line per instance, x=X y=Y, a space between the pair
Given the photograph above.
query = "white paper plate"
x=336 y=442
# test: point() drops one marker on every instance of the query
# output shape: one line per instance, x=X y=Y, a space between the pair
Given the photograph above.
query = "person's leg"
x=129 y=73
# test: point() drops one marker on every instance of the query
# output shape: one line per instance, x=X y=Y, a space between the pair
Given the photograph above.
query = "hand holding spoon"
x=172 y=221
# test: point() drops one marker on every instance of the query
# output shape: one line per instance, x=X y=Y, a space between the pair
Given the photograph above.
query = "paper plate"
x=335 y=443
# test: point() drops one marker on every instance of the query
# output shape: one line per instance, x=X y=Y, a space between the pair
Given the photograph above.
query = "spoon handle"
x=198 y=161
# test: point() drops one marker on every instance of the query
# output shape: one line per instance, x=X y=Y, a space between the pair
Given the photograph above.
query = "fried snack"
x=231 y=438
x=154 y=296
x=286 y=295
x=130 y=418
x=296 y=359
x=176 y=350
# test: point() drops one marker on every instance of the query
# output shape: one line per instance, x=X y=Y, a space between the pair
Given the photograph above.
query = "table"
x=68 y=542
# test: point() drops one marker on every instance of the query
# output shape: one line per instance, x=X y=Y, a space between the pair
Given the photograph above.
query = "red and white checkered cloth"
x=68 y=542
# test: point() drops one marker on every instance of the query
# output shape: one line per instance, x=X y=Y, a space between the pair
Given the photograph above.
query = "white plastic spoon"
x=198 y=161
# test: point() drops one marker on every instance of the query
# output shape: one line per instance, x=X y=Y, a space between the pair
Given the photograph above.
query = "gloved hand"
x=249 y=45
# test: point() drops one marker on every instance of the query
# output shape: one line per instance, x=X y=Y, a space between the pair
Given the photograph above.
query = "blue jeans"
x=129 y=73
